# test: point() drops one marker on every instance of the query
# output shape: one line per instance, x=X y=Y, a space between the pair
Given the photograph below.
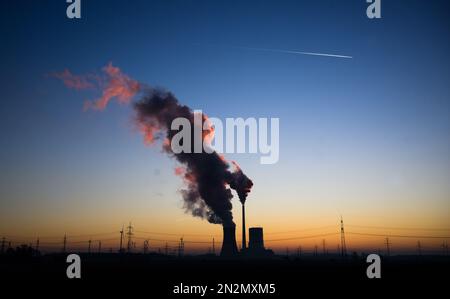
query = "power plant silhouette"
x=256 y=241
x=229 y=247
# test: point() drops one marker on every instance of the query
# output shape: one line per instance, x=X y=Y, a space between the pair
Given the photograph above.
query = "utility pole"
x=343 y=246
x=444 y=248
x=388 y=247
x=129 y=234
x=37 y=244
x=419 y=248
x=166 y=249
x=3 y=245
x=324 y=248
x=181 y=248
x=146 y=246
x=99 y=246
x=64 y=243
x=89 y=246
x=121 y=240
x=299 y=251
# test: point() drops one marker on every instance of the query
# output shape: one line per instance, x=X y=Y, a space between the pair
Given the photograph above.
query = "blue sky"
x=357 y=135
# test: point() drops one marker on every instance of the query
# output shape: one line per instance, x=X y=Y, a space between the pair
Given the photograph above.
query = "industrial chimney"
x=244 y=239
x=229 y=247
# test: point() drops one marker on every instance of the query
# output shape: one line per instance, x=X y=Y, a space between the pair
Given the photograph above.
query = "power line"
x=300 y=230
x=399 y=236
x=131 y=234
x=399 y=228
x=171 y=234
x=210 y=235
x=56 y=237
x=172 y=241
x=303 y=237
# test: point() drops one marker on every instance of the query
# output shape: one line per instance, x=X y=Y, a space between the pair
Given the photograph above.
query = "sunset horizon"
x=142 y=131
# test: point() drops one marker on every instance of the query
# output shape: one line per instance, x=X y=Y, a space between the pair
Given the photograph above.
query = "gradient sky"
x=366 y=137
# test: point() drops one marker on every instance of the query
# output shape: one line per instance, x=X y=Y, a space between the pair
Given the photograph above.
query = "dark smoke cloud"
x=207 y=175
x=241 y=183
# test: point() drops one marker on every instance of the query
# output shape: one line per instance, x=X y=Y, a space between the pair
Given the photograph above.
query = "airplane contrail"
x=295 y=52
x=285 y=51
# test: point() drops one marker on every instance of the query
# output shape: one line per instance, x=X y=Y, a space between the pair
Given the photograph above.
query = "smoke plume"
x=112 y=83
x=207 y=176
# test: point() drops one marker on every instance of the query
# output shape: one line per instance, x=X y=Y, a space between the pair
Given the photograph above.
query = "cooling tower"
x=256 y=241
x=229 y=247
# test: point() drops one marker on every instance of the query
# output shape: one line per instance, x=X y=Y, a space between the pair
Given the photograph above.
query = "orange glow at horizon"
x=198 y=236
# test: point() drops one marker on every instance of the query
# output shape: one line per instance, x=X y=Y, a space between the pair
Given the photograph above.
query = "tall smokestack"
x=242 y=184
x=244 y=239
x=229 y=247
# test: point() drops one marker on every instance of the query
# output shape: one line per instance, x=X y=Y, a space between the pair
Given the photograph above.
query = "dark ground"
x=162 y=273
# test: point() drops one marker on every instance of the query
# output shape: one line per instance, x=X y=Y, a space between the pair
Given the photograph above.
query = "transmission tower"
x=343 y=246
x=146 y=246
x=121 y=240
x=3 y=245
x=64 y=243
x=129 y=234
x=181 y=247
x=388 y=247
x=444 y=248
